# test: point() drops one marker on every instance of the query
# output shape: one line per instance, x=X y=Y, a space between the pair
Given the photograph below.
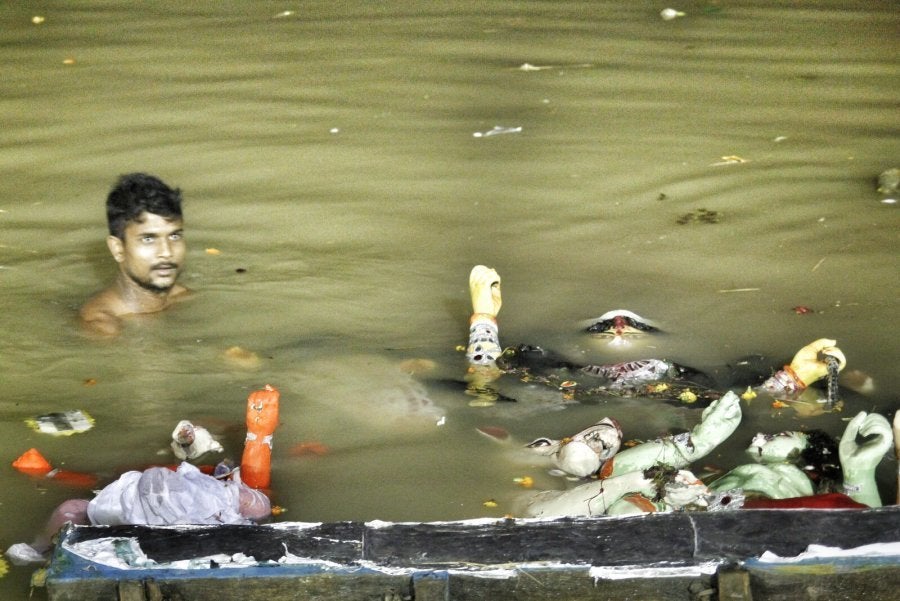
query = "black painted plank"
x=340 y=541
x=602 y=541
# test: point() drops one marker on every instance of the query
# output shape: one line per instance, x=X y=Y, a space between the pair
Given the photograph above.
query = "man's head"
x=145 y=226
x=137 y=193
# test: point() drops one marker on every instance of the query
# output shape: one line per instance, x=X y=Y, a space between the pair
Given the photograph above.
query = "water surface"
x=328 y=155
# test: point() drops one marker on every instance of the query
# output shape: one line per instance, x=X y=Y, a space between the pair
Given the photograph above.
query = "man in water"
x=146 y=239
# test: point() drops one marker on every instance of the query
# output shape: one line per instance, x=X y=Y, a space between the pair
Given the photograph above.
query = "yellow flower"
x=524 y=481
x=687 y=397
x=749 y=394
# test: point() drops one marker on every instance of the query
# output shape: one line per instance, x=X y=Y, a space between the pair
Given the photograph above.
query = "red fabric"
x=833 y=500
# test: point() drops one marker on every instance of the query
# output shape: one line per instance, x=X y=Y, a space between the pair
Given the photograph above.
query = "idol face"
x=152 y=252
x=785 y=446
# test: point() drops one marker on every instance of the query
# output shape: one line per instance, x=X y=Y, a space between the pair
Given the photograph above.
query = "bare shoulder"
x=180 y=293
x=100 y=314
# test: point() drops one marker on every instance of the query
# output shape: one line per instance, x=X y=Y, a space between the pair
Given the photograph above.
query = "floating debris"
x=309 y=447
x=802 y=310
x=699 y=216
x=858 y=381
x=493 y=432
x=669 y=14
x=731 y=160
x=889 y=181
x=37 y=19
x=530 y=67
x=687 y=397
x=283 y=14
x=241 y=357
x=213 y=251
x=490 y=503
x=497 y=131
x=748 y=394
x=62 y=423
x=32 y=462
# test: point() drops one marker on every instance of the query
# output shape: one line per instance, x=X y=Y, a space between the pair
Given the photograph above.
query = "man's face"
x=152 y=254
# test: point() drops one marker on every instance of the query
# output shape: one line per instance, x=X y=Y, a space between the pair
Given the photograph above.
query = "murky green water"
x=328 y=154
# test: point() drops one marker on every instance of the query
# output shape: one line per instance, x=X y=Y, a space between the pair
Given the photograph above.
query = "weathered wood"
x=827 y=582
x=131 y=590
x=734 y=585
x=662 y=557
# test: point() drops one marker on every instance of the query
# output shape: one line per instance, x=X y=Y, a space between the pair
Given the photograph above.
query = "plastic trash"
x=32 y=462
x=62 y=423
x=668 y=14
x=162 y=497
x=23 y=554
x=497 y=130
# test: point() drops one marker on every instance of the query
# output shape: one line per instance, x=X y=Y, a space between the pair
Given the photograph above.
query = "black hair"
x=136 y=193
x=821 y=462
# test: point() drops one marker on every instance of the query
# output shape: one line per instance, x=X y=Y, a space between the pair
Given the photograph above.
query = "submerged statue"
x=652 y=476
